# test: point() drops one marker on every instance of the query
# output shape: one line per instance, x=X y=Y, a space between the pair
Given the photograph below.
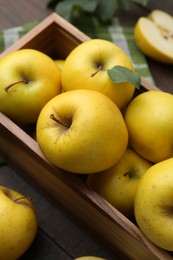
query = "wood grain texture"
x=19 y=12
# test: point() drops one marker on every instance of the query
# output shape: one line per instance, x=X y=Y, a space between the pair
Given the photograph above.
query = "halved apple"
x=154 y=36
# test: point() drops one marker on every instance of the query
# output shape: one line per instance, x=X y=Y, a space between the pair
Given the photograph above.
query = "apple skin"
x=23 y=101
x=89 y=258
x=153 y=36
x=154 y=204
x=18 y=223
x=91 y=135
x=118 y=184
x=81 y=64
x=149 y=118
x=59 y=63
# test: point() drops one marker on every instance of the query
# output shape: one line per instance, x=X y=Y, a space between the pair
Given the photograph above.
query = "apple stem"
x=20 y=198
x=127 y=174
x=56 y=120
x=17 y=82
x=97 y=70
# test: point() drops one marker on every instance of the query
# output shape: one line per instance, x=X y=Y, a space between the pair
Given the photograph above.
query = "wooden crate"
x=56 y=37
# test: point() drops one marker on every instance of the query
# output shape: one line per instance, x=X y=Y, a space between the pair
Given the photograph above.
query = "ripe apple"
x=118 y=184
x=59 y=63
x=149 y=118
x=82 y=131
x=89 y=258
x=154 y=35
x=154 y=204
x=29 y=79
x=18 y=223
x=86 y=67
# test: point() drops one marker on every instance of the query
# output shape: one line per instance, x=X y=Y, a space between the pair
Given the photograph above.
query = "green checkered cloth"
x=121 y=36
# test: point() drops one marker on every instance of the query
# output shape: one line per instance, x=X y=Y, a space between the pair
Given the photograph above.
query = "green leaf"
x=52 y=3
x=64 y=9
x=120 y=74
x=88 y=5
x=106 y=9
x=102 y=10
x=141 y=2
x=69 y=8
x=124 y=4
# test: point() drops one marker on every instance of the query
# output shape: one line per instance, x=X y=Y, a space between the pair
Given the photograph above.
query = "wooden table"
x=59 y=236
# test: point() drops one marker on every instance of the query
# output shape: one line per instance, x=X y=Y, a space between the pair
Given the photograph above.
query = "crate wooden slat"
x=56 y=37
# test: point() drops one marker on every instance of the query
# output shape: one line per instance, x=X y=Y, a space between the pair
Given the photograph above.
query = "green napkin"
x=122 y=36
x=11 y=35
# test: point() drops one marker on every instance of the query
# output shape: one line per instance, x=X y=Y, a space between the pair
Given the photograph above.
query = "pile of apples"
x=86 y=123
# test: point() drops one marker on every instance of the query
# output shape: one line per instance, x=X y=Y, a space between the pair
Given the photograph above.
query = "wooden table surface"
x=59 y=237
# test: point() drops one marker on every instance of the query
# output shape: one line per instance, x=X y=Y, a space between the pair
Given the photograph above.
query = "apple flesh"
x=154 y=204
x=18 y=223
x=154 y=36
x=29 y=79
x=82 y=131
x=118 y=184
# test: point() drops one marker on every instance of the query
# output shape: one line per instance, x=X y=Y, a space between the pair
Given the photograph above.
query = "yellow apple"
x=29 y=79
x=82 y=131
x=154 y=204
x=118 y=184
x=154 y=35
x=86 y=67
x=18 y=223
x=89 y=258
x=149 y=118
x=59 y=63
